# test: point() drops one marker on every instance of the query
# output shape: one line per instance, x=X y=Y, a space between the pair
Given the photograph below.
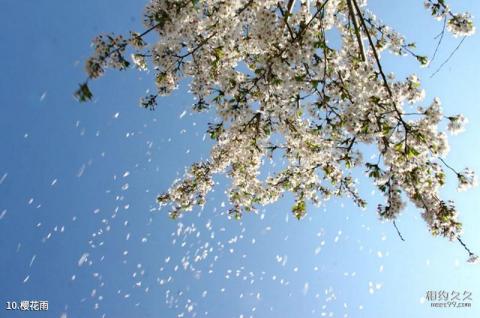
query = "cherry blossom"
x=281 y=89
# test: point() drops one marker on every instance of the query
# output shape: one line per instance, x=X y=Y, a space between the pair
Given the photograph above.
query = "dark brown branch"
x=353 y=17
x=201 y=44
x=286 y=15
x=379 y=65
x=464 y=246
x=398 y=231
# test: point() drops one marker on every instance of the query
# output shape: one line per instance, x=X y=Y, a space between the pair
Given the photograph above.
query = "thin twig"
x=465 y=246
x=439 y=40
x=448 y=166
x=398 y=231
x=286 y=15
x=449 y=57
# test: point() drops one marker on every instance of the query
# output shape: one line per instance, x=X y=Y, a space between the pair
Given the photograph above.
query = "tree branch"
x=357 y=31
x=398 y=231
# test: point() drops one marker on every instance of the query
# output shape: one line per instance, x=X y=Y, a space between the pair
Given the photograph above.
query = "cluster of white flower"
x=139 y=61
x=459 y=24
x=433 y=114
x=108 y=53
x=466 y=179
x=279 y=89
x=190 y=191
x=473 y=259
x=438 y=8
x=456 y=124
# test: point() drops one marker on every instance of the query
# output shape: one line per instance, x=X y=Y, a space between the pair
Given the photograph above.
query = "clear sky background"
x=81 y=180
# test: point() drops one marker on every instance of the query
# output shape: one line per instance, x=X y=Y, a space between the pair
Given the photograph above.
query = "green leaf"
x=386 y=129
x=258 y=71
x=83 y=93
x=215 y=130
x=441 y=178
x=348 y=162
x=276 y=81
x=218 y=52
x=414 y=84
x=411 y=152
x=399 y=147
x=374 y=99
x=364 y=128
x=422 y=59
x=298 y=209
x=300 y=78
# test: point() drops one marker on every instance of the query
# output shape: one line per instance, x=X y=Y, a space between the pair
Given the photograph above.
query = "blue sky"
x=81 y=179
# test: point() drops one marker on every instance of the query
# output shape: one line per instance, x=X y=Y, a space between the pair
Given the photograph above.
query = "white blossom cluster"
x=473 y=259
x=456 y=124
x=281 y=90
x=459 y=24
x=466 y=179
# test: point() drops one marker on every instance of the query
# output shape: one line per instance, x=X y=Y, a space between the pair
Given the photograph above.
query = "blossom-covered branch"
x=276 y=84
